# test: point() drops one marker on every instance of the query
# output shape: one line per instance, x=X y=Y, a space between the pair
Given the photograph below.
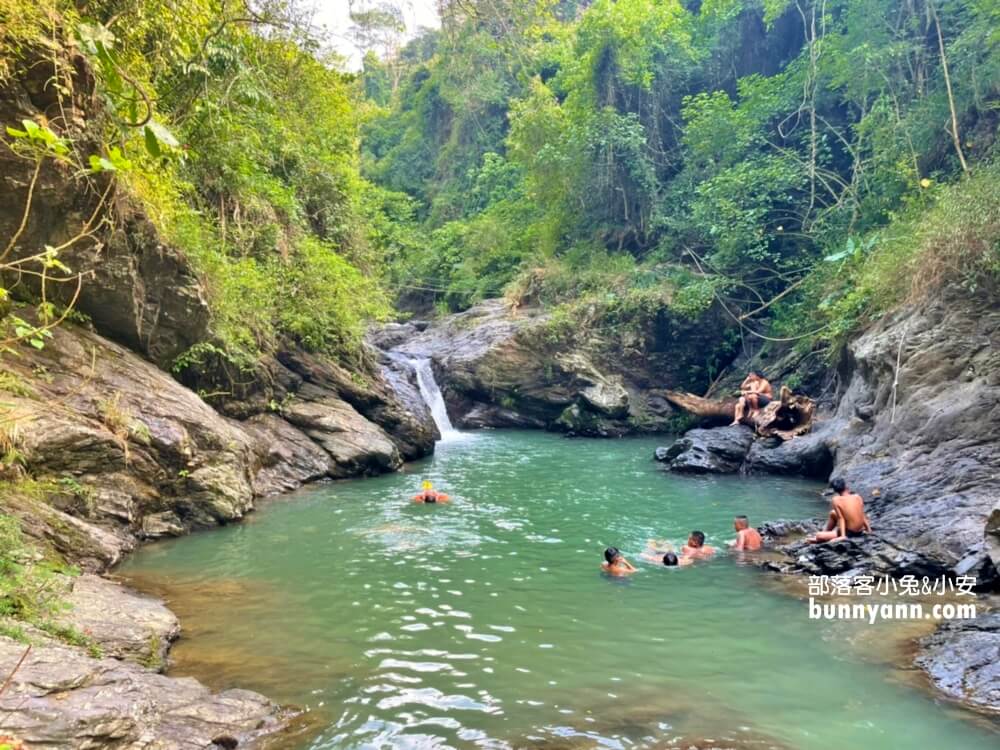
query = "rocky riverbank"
x=114 y=433
x=914 y=426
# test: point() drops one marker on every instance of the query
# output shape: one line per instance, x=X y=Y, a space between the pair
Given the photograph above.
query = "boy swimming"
x=696 y=549
x=616 y=564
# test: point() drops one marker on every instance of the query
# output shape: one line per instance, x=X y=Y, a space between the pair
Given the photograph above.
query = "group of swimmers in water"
x=657 y=551
x=847 y=520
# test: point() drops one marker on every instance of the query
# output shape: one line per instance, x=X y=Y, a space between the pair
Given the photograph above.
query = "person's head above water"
x=669 y=559
x=611 y=554
x=697 y=539
x=741 y=522
x=839 y=485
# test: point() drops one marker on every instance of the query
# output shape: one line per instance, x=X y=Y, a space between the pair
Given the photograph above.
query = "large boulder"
x=286 y=457
x=808 y=455
x=383 y=395
x=721 y=450
x=355 y=445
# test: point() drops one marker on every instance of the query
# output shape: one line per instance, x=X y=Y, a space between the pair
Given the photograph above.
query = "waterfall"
x=433 y=398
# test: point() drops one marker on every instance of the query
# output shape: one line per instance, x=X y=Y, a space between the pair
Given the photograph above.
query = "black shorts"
x=854 y=534
x=763 y=400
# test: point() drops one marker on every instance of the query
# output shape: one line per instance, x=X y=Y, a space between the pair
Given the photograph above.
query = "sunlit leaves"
x=39 y=138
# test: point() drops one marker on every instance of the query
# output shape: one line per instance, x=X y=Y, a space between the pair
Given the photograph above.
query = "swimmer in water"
x=429 y=495
x=615 y=563
x=747 y=538
x=696 y=549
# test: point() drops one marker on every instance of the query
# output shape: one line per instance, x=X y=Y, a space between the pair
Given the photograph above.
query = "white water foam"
x=433 y=398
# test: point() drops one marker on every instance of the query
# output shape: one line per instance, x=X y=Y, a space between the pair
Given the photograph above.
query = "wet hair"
x=699 y=537
x=838 y=484
x=610 y=554
x=669 y=559
x=744 y=519
x=756 y=373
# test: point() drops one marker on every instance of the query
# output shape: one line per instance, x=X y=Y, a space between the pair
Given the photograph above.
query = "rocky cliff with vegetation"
x=144 y=393
x=569 y=207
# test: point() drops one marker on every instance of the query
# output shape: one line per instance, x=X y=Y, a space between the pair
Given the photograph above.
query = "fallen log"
x=707 y=408
x=785 y=417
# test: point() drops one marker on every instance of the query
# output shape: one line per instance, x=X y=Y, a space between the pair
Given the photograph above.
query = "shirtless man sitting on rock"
x=847 y=519
x=756 y=394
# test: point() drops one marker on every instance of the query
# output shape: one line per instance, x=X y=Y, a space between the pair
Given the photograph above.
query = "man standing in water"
x=747 y=538
x=847 y=519
x=756 y=394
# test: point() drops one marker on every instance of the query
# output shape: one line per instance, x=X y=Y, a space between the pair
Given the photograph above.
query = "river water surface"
x=487 y=622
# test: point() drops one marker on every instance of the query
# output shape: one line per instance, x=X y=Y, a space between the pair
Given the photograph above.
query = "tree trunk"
x=785 y=417
x=707 y=408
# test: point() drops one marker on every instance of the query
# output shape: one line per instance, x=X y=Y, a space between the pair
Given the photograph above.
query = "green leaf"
x=163 y=135
x=152 y=143
x=100 y=164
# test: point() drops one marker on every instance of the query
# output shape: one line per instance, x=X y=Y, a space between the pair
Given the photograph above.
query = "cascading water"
x=433 y=398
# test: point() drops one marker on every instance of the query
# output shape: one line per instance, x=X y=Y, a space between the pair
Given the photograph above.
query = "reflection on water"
x=487 y=623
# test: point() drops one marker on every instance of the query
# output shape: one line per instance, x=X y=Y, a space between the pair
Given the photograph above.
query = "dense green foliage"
x=240 y=138
x=634 y=155
x=729 y=151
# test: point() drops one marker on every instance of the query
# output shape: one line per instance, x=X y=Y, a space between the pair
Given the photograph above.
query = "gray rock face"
x=807 y=455
x=355 y=445
x=499 y=367
x=61 y=698
x=123 y=623
x=134 y=454
x=930 y=467
x=721 y=450
x=139 y=291
x=392 y=407
x=962 y=658
x=287 y=457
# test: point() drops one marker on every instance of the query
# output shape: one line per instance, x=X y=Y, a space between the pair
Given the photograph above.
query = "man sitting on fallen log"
x=756 y=394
